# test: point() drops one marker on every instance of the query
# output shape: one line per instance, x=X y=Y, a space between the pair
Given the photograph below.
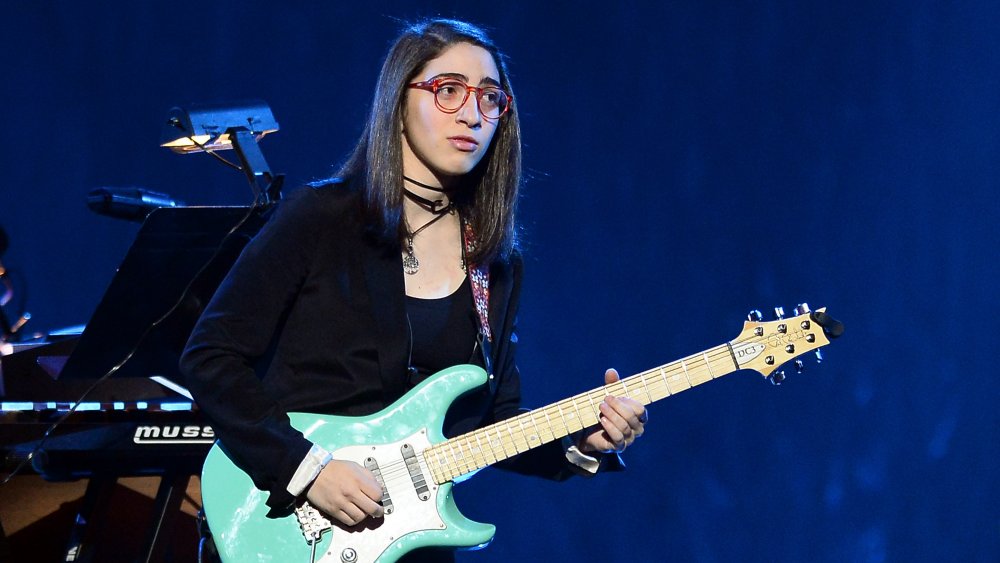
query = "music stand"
x=175 y=248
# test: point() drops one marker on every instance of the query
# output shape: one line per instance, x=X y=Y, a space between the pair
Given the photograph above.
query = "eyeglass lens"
x=452 y=96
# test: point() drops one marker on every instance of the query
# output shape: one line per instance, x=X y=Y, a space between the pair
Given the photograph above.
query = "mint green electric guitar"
x=404 y=448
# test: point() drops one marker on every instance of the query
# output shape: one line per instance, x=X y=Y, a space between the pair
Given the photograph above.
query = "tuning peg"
x=755 y=316
x=802 y=308
x=819 y=356
x=777 y=377
x=779 y=313
x=799 y=366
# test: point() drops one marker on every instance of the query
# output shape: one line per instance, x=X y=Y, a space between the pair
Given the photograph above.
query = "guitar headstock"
x=764 y=346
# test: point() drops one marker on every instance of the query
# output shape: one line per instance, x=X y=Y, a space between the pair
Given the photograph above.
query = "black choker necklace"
x=437 y=207
x=425 y=186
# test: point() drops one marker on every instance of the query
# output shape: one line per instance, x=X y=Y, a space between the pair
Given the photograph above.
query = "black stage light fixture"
x=214 y=127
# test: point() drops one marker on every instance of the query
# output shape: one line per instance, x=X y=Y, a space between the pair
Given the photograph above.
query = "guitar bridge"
x=311 y=522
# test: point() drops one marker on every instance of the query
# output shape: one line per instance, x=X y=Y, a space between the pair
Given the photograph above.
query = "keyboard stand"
x=94 y=513
x=95 y=503
x=173 y=486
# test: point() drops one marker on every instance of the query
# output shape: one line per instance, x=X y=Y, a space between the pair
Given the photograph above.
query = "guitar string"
x=658 y=384
x=464 y=442
x=396 y=471
x=463 y=464
x=479 y=455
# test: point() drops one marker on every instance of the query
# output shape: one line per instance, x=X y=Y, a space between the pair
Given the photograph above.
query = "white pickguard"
x=409 y=513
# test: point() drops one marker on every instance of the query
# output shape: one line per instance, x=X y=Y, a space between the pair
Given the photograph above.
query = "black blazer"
x=312 y=318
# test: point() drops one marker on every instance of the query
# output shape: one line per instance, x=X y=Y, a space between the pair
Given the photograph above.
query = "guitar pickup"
x=386 y=502
x=416 y=475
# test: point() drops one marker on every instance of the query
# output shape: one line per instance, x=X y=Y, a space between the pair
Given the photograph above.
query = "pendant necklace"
x=410 y=263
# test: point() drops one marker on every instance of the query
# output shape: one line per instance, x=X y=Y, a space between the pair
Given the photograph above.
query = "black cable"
x=216 y=156
x=222 y=244
x=211 y=152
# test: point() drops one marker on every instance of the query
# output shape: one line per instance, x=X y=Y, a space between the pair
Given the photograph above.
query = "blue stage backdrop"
x=686 y=162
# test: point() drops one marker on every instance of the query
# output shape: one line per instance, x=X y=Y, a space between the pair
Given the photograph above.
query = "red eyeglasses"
x=450 y=95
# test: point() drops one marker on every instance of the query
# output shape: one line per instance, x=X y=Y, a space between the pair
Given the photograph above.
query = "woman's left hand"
x=622 y=420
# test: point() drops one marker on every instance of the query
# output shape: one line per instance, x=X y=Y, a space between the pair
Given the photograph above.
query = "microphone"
x=131 y=204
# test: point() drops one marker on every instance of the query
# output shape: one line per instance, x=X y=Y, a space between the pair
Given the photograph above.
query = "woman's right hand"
x=347 y=492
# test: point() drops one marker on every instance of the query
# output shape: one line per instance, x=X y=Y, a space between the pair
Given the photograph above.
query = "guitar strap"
x=479 y=277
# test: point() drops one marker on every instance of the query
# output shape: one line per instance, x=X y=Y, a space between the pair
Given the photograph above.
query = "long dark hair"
x=488 y=200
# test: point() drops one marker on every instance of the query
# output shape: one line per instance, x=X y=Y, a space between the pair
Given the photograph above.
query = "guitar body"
x=419 y=513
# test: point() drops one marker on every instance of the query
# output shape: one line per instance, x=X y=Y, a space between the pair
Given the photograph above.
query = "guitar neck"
x=475 y=450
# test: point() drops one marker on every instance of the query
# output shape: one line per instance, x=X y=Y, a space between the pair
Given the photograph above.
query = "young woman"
x=358 y=289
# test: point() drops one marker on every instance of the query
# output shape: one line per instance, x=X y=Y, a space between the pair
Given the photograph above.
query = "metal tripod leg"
x=79 y=549
x=167 y=505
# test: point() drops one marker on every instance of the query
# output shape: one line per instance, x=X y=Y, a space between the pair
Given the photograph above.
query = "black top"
x=443 y=332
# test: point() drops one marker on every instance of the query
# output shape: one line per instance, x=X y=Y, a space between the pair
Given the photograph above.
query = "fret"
x=554 y=430
x=513 y=439
x=522 y=433
x=693 y=371
x=429 y=456
x=441 y=458
x=686 y=376
x=554 y=433
x=595 y=409
x=624 y=388
x=528 y=435
x=534 y=424
x=707 y=363
x=439 y=475
x=574 y=417
x=456 y=456
x=462 y=455
x=475 y=452
x=598 y=395
x=649 y=397
x=666 y=383
x=487 y=450
x=548 y=422
x=500 y=442
x=443 y=467
x=530 y=429
x=562 y=418
x=453 y=466
x=506 y=439
x=465 y=453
